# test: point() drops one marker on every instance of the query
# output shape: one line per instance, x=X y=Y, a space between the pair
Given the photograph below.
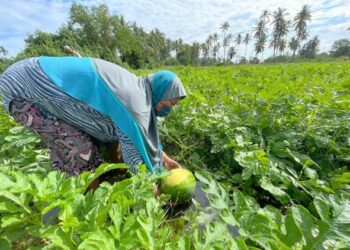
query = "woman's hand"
x=169 y=163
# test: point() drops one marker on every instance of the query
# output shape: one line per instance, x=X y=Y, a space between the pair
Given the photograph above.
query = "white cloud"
x=189 y=20
x=340 y=27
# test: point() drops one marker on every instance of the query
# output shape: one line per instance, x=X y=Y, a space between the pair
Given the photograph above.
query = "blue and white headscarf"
x=127 y=99
x=165 y=85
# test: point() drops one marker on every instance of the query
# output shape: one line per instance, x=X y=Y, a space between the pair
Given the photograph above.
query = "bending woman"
x=73 y=103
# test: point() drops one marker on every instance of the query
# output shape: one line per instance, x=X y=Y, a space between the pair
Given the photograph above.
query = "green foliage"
x=280 y=133
x=94 y=32
x=310 y=48
x=341 y=48
x=4 y=61
x=122 y=215
x=20 y=149
x=274 y=140
x=298 y=228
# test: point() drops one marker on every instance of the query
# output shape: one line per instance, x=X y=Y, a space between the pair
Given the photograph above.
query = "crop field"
x=270 y=143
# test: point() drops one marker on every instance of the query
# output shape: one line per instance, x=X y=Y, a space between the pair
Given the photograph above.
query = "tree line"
x=260 y=38
x=95 y=32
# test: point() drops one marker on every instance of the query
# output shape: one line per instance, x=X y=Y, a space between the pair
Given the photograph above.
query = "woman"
x=74 y=103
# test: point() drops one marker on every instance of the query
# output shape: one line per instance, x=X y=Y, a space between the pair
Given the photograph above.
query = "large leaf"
x=333 y=229
x=253 y=162
x=278 y=192
x=97 y=240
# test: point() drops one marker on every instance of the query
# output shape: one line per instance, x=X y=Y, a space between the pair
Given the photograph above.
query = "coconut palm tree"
x=159 y=44
x=280 y=28
x=260 y=36
x=226 y=43
x=238 y=42
x=231 y=53
x=315 y=42
x=177 y=46
x=224 y=27
x=282 y=44
x=205 y=50
x=216 y=43
x=229 y=37
x=294 y=45
x=265 y=16
x=260 y=46
x=274 y=44
x=300 y=22
x=260 y=29
x=246 y=41
x=215 y=50
x=3 y=51
x=195 y=51
x=215 y=37
x=209 y=42
x=310 y=48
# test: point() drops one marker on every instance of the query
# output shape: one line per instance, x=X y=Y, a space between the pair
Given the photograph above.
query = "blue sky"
x=191 y=20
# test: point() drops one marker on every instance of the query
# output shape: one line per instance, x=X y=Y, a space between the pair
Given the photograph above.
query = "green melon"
x=180 y=185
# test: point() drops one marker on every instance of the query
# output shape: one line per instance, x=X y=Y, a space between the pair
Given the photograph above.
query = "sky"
x=191 y=20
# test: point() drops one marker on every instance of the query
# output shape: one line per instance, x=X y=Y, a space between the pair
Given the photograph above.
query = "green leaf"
x=144 y=234
x=97 y=240
x=317 y=184
x=59 y=238
x=294 y=234
x=184 y=243
x=203 y=177
x=263 y=231
x=240 y=244
x=244 y=204
x=330 y=229
x=10 y=220
x=9 y=207
x=254 y=162
x=277 y=192
x=227 y=217
x=116 y=213
x=302 y=159
x=15 y=199
x=6 y=182
x=68 y=220
x=5 y=244
x=304 y=220
x=128 y=235
x=88 y=178
x=339 y=181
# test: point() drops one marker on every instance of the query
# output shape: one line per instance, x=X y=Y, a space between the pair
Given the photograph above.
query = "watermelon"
x=180 y=185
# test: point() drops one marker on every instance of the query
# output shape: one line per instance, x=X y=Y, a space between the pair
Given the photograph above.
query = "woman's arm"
x=71 y=51
x=169 y=163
